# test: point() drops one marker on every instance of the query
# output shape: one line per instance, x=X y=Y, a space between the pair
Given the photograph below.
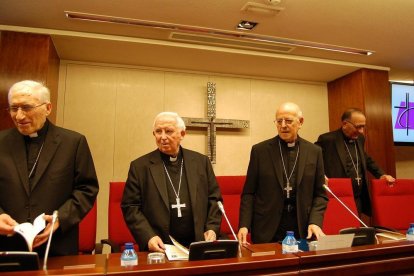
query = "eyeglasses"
x=168 y=132
x=358 y=127
x=26 y=108
x=287 y=121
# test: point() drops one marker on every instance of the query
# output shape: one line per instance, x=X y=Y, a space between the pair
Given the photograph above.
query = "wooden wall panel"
x=343 y=93
x=377 y=98
x=368 y=90
x=26 y=56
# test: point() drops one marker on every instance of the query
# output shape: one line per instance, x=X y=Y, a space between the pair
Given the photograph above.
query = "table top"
x=254 y=259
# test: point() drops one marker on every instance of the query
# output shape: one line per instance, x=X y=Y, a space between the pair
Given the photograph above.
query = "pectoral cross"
x=358 y=179
x=178 y=206
x=288 y=189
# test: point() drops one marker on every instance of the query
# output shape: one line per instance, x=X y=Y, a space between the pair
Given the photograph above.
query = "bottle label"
x=129 y=262
x=290 y=248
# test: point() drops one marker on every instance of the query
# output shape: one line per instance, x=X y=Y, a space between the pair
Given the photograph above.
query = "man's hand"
x=242 y=235
x=42 y=238
x=6 y=224
x=315 y=230
x=210 y=235
x=155 y=244
x=390 y=180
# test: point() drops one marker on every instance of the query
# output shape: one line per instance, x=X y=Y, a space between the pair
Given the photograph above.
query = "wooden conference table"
x=387 y=258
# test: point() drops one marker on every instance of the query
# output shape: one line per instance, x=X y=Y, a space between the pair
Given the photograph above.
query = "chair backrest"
x=231 y=188
x=118 y=231
x=337 y=217
x=392 y=205
x=87 y=232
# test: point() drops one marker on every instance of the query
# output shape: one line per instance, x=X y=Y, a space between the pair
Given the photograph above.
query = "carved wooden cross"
x=212 y=123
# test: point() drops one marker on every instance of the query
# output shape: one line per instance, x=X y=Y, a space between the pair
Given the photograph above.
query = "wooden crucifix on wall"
x=212 y=123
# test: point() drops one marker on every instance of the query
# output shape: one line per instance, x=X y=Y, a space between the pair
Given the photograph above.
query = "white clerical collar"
x=173 y=159
x=33 y=135
x=291 y=145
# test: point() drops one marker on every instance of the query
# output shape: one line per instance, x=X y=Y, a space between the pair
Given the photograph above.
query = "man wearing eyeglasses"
x=171 y=191
x=43 y=168
x=283 y=189
x=344 y=157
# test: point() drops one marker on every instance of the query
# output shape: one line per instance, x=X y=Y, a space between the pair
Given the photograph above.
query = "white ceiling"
x=385 y=27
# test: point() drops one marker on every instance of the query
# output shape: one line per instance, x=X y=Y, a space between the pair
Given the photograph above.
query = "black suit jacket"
x=145 y=203
x=262 y=199
x=334 y=157
x=65 y=180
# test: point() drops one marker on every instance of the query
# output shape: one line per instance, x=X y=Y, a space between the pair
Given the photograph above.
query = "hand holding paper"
x=6 y=224
x=44 y=236
x=29 y=231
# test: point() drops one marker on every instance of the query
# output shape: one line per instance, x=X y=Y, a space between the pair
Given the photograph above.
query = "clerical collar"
x=171 y=159
x=347 y=139
x=289 y=145
x=40 y=133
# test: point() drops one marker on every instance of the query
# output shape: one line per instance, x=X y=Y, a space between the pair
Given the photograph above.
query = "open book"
x=176 y=251
x=29 y=231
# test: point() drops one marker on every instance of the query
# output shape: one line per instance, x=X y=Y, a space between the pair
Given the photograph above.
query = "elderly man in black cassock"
x=171 y=191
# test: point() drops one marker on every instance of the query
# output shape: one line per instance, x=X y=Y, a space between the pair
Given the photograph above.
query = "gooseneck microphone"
x=361 y=237
x=54 y=218
x=221 y=207
x=343 y=204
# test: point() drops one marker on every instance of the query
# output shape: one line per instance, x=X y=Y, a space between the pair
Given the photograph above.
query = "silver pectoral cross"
x=358 y=179
x=178 y=206
x=288 y=189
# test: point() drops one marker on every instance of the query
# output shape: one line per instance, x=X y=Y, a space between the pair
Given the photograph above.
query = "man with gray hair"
x=283 y=189
x=171 y=191
x=43 y=168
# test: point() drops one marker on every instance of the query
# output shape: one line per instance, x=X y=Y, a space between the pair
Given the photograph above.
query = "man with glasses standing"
x=171 y=191
x=344 y=157
x=283 y=189
x=43 y=168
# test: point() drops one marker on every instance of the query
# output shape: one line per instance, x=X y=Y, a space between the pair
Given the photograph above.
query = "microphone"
x=362 y=236
x=54 y=218
x=221 y=207
x=343 y=204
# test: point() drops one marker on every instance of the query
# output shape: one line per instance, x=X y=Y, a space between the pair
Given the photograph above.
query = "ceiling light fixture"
x=214 y=32
x=246 y=25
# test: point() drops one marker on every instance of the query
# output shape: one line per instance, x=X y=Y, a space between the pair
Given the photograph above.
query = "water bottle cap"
x=290 y=233
x=129 y=245
x=412 y=224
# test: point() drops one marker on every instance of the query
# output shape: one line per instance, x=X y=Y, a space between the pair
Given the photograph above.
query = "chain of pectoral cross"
x=288 y=188
x=356 y=167
x=178 y=205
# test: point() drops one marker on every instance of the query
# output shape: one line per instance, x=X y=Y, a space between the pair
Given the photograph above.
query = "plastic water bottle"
x=289 y=244
x=410 y=232
x=129 y=257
